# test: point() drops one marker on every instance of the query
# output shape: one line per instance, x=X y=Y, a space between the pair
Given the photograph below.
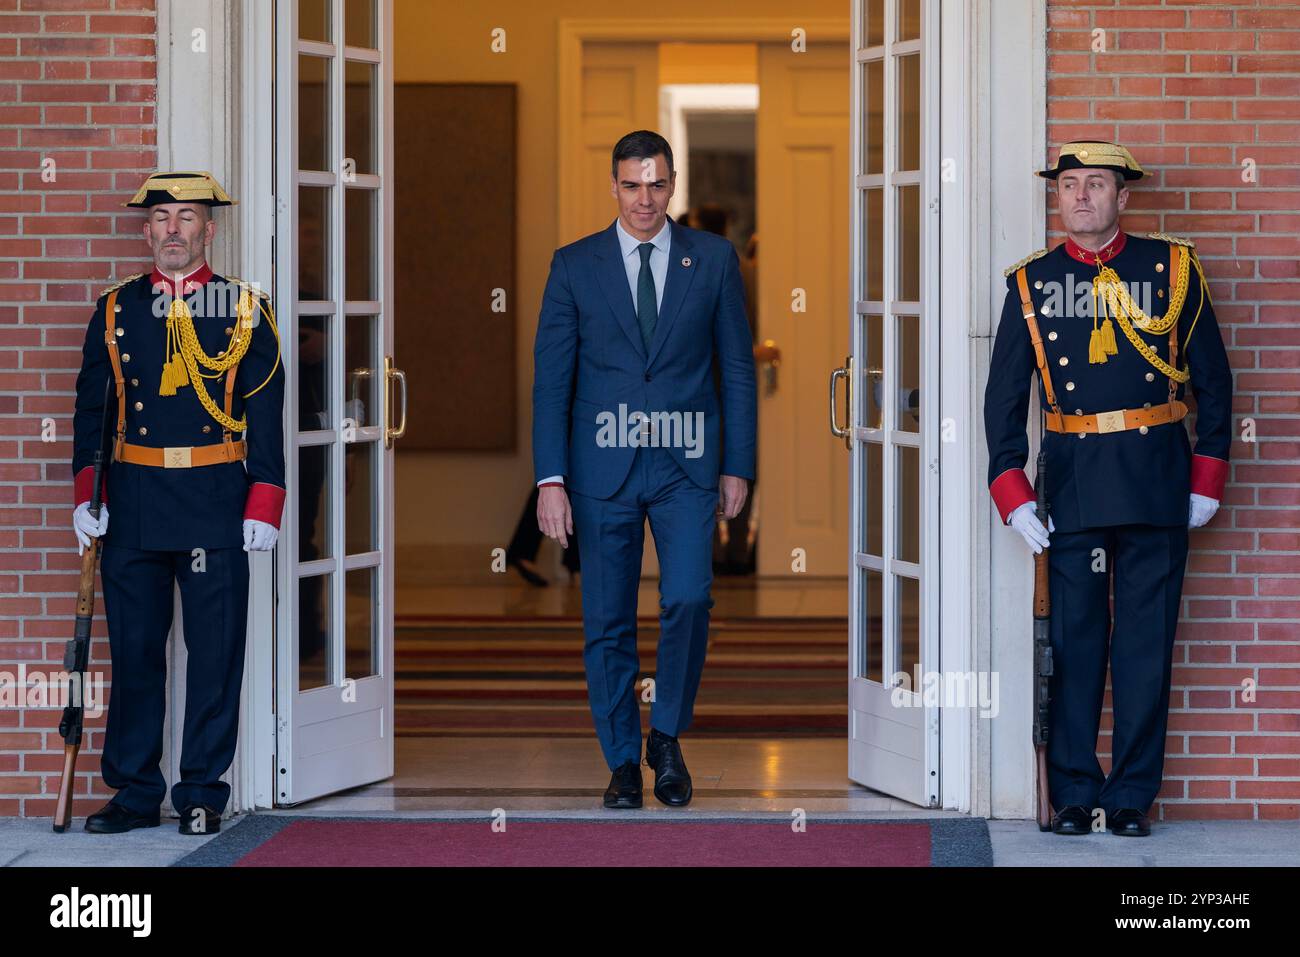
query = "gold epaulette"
x=244 y=284
x=1028 y=259
x=118 y=285
x=1172 y=239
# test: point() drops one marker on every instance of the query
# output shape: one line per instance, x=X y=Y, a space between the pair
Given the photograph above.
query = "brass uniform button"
x=119 y=331
x=229 y=330
x=1160 y=293
x=1142 y=429
x=126 y=357
x=1064 y=360
x=143 y=430
x=139 y=406
x=117 y=307
x=1082 y=434
x=1078 y=411
x=1047 y=311
x=135 y=381
x=1052 y=335
x=1069 y=387
x=1146 y=405
x=1160 y=267
x=1151 y=377
x=1155 y=318
x=1038 y=284
x=207 y=428
x=221 y=353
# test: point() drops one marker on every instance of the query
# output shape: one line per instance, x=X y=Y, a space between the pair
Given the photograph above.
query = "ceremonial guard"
x=1116 y=326
x=194 y=360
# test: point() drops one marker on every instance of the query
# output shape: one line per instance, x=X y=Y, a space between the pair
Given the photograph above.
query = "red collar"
x=194 y=280
x=1105 y=254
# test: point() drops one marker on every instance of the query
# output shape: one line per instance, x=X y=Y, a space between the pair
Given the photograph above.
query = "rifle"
x=1042 y=653
x=76 y=653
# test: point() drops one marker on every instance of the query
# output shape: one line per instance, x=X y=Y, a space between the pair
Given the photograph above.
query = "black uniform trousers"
x=138 y=602
x=1147 y=562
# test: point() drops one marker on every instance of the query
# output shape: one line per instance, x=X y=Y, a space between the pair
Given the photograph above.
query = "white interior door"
x=803 y=291
x=334 y=650
x=893 y=372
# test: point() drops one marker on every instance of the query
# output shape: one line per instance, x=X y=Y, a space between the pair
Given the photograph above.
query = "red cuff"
x=83 y=486
x=1010 y=490
x=1209 y=476
x=265 y=503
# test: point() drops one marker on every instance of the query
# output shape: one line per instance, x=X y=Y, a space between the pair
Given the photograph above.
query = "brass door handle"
x=845 y=372
x=391 y=374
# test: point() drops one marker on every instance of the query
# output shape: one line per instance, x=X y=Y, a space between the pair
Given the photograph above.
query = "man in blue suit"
x=627 y=424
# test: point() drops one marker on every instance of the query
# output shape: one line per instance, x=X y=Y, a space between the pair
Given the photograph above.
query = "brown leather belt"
x=1120 y=420
x=183 y=456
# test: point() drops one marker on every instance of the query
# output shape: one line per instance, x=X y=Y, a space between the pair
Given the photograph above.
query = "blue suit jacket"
x=590 y=359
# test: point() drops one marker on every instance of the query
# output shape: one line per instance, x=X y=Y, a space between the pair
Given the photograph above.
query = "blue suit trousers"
x=611 y=537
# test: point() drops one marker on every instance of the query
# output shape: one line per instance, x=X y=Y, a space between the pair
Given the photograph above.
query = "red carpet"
x=323 y=843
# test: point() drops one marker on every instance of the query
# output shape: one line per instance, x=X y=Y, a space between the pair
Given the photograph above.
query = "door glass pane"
x=360 y=117
x=908 y=252
x=360 y=244
x=359 y=23
x=909 y=112
x=313 y=367
x=363 y=629
x=871 y=652
x=361 y=466
x=314 y=20
x=361 y=362
x=908 y=494
x=315 y=662
x=909 y=373
x=873 y=123
x=909 y=19
x=314 y=503
x=313 y=243
x=909 y=628
x=873 y=22
x=873 y=244
x=873 y=497
x=873 y=372
x=314 y=113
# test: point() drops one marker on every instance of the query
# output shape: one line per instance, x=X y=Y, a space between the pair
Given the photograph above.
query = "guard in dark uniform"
x=1117 y=325
x=195 y=362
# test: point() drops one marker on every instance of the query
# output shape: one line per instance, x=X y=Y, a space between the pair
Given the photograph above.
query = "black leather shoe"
x=624 y=786
x=672 y=780
x=1072 y=819
x=199 y=819
x=114 y=818
x=1129 y=822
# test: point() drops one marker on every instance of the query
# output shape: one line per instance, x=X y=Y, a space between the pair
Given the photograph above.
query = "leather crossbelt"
x=1119 y=420
x=183 y=456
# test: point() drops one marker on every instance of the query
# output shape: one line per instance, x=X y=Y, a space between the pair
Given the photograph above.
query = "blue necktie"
x=647 y=310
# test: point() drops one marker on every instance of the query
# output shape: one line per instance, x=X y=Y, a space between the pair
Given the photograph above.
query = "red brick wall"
x=1195 y=88
x=78 y=82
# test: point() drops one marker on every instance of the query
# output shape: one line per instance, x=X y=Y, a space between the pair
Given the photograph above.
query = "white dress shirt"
x=630 y=246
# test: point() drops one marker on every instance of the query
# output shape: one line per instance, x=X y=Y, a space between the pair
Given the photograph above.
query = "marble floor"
x=730 y=775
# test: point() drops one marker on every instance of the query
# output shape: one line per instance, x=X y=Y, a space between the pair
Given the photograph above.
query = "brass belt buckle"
x=1110 y=421
x=176 y=457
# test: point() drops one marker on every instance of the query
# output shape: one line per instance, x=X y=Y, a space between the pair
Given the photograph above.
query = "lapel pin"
x=686 y=260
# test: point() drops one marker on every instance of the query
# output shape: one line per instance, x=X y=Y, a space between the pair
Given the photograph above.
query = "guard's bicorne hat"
x=1094 y=156
x=201 y=187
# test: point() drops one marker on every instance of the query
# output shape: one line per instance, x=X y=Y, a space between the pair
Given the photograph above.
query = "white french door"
x=892 y=373
x=334 y=228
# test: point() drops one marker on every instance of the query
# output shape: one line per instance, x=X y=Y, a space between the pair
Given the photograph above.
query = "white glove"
x=1200 y=510
x=87 y=527
x=1024 y=521
x=259 y=536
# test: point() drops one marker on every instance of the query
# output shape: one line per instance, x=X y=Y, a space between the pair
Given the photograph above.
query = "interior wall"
x=448 y=499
